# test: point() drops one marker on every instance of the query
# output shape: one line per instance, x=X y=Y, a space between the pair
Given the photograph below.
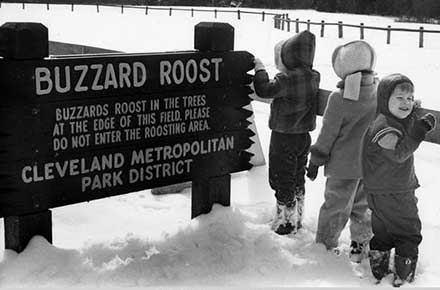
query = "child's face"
x=401 y=103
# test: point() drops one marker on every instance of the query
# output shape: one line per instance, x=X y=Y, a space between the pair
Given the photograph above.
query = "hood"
x=352 y=57
x=385 y=89
x=297 y=51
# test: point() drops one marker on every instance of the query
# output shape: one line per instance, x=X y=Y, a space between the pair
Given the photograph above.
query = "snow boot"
x=300 y=195
x=379 y=263
x=405 y=269
x=358 y=251
x=281 y=223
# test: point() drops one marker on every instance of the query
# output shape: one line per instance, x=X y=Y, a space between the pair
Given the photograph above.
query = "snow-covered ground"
x=139 y=240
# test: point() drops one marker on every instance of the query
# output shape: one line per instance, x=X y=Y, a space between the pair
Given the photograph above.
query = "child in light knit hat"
x=294 y=91
x=349 y=111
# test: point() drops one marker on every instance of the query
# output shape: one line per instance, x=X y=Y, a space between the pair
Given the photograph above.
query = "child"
x=349 y=111
x=390 y=179
x=292 y=116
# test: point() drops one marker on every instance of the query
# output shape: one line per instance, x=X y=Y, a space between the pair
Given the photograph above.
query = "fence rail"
x=281 y=21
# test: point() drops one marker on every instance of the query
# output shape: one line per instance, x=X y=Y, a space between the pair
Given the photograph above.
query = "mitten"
x=312 y=171
x=429 y=121
x=258 y=64
x=422 y=126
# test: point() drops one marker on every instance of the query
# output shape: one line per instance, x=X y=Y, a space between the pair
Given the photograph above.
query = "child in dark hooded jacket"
x=294 y=91
x=390 y=180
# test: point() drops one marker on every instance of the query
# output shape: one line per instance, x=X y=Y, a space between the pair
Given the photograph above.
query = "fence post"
x=238 y=14
x=288 y=24
x=192 y=12
x=25 y=41
x=340 y=30
x=146 y=10
x=389 y=34
x=421 y=37
x=322 y=28
x=282 y=22
x=297 y=25
x=215 y=13
x=122 y=9
x=362 y=30
x=308 y=24
x=97 y=8
x=205 y=191
x=47 y=5
x=23 y=6
x=171 y=11
x=262 y=16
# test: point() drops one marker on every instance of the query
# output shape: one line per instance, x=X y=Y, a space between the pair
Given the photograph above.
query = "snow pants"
x=345 y=200
x=287 y=164
x=396 y=223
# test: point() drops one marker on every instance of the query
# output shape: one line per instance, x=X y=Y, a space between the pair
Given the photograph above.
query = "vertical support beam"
x=19 y=230
x=362 y=31
x=340 y=30
x=207 y=191
x=322 y=28
x=218 y=37
x=24 y=41
x=389 y=34
x=421 y=37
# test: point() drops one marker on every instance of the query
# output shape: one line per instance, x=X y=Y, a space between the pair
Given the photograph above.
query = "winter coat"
x=344 y=124
x=294 y=89
x=390 y=169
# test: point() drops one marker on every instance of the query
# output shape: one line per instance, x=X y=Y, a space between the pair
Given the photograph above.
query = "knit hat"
x=385 y=89
x=349 y=60
x=296 y=51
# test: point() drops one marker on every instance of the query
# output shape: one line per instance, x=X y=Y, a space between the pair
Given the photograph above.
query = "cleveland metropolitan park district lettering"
x=172 y=160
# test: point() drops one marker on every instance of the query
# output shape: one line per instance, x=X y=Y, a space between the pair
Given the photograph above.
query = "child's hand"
x=417 y=104
x=258 y=64
x=422 y=126
x=312 y=171
x=429 y=121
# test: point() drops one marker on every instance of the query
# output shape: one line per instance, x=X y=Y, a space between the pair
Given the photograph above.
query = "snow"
x=142 y=240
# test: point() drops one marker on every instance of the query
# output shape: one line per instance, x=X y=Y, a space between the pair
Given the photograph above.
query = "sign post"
x=79 y=128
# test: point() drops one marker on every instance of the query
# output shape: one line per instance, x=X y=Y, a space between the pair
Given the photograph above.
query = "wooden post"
x=282 y=22
x=262 y=16
x=122 y=9
x=215 y=37
x=308 y=24
x=238 y=14
x=171 y=11
x=297 y=25
x=340 y=30
x=192 y=12
x=322 y=28
x=288 y=25
x=146 y=10
x=97 y=8
x=47 y=5
x=72 y=7
x=215 y=13
x=421 y=36
x=362 y=30
x=389 y=34
x=25 y=41
x=23 y=6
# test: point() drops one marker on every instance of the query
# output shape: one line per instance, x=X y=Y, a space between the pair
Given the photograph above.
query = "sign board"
x=74 y=129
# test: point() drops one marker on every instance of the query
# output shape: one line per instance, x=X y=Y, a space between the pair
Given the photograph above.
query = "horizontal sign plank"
x=127 y=74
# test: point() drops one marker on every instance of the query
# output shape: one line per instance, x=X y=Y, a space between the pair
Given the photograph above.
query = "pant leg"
x=382 y=240
x=360 y=218
x=398 y=214
x=336 y=210
x=283 y=164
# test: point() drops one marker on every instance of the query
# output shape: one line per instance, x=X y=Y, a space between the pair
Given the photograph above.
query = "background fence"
x=281 y=21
